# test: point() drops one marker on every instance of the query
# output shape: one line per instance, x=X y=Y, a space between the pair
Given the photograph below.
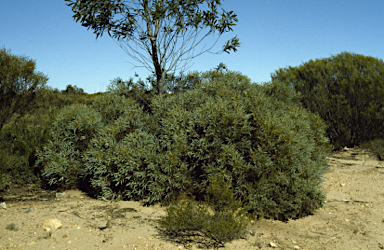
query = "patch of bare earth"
x=352 y=217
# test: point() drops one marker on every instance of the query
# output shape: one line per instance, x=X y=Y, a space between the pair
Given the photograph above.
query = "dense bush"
x=18 y=146
x=72 y=130
x=346 y=90
x=252 y=136
x=65 y=156
x=258 y=138
x=132 y=90
x=20 y=140
x=123 y=154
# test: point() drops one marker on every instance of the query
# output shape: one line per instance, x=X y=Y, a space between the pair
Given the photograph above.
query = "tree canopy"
x=162 y=35
x=19 y=84
x=347 y=90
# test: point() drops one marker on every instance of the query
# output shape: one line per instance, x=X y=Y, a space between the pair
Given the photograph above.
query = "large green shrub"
x=251 y=135
x=124 y=156
x=65 y=156
x=73 y=128
x=257 y=138
x=346 y=90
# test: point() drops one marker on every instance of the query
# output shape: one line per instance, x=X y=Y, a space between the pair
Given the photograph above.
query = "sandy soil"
x=352 y=217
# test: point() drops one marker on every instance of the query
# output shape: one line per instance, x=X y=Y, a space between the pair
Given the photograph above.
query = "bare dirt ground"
x=352 y=217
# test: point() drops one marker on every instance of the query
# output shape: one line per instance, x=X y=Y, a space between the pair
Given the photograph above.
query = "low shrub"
x=217 y=221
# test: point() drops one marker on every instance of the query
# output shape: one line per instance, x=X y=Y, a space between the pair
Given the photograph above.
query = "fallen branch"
x=348 y=200
x=321 y=233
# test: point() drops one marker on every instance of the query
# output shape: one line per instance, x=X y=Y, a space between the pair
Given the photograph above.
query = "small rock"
x=60 y=195
x=3 y=205
x=51 y=225
x=271 y=244
x=296 y=247
x=103 y=225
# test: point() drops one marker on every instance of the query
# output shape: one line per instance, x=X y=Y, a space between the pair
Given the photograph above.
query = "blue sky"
x=274 y=34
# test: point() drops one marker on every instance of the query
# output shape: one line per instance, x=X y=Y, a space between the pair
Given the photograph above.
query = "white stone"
x=51 y=224
x=272 y=244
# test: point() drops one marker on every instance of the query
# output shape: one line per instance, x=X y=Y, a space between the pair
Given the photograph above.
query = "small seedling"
x=12 y=227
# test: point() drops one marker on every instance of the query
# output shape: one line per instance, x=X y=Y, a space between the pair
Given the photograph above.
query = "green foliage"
x=73 y=90
x=19 y=86
x=73 y=128
x=164 y=30
x=376 y=146
x=25 y=133
x=258 y=139
x=286 y=197
x=133 y=90
x=346 y=91
x=104 y=124
x=123 y=157
x=246 y=133
x=55 y=100
x=5 y=179
x=19 y=144
x=221 y=221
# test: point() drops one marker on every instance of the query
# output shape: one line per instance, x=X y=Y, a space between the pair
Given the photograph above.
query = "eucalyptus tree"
x=162 y=35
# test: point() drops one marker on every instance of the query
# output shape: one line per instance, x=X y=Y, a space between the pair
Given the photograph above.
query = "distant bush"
x=346 y=90
x=132 y=90
x=73 y=90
